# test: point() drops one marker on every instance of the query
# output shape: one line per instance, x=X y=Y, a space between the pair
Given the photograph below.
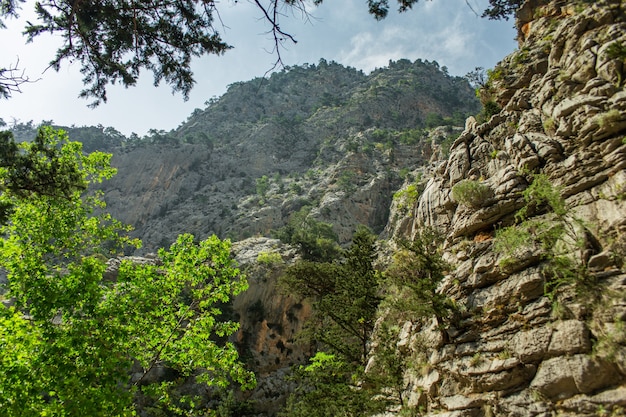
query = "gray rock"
x=569 y=337
x=564 y=376
x=531 y=345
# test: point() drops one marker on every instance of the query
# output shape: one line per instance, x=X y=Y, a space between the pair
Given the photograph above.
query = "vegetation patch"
x=560 y=238
x=471 y=193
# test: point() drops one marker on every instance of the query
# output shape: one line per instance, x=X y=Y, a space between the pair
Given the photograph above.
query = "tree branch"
x=11 y=79
x=272 y=15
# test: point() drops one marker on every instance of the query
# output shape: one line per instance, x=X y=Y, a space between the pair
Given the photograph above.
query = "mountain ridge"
x=254 y=156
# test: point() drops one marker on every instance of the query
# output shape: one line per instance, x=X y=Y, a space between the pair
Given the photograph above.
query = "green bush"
x=269 y=259
x=491 y=108
x=414 y=136
x=407 y=197
x=558 y=235
x=471 y=193
x=616 y=50
x=262 y=186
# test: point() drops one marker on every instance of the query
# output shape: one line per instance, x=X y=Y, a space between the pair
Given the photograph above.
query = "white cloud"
x=447 y=38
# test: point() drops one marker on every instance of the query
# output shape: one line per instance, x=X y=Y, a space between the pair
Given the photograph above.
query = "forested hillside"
x=323 y=136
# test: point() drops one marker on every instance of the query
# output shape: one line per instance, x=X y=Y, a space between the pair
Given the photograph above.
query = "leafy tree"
x=262 y=186
x=316 y=241
x=502 y=9
x=414 y=275
x=114 y=41
x=329 y=386
x=344 y=295
x=40 y=168
x=71 y=337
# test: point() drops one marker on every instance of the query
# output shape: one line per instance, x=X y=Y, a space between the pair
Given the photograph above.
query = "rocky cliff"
x=324 y=136
x=531 y=339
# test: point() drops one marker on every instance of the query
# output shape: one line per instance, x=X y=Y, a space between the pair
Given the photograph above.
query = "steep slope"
x=325 y=136
x=540 y=318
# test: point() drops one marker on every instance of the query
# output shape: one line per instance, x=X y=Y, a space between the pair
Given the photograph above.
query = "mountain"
x=528 y=199
x=323 y=136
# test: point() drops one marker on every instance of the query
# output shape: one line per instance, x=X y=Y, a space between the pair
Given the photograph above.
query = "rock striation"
x=516 y=349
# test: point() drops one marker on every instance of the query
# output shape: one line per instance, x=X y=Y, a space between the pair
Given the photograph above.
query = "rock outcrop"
x=324 y=136
x=514 y=351
x=270 y=321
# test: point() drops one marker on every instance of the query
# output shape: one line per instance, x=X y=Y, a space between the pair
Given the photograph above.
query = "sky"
x=447 y=31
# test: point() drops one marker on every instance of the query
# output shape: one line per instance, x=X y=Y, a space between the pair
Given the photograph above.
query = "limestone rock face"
x=513 y=351
x=325 y=136
x=269 y=321
x=269 y=318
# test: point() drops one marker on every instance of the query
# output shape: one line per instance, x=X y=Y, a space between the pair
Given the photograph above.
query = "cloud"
x=447 y=38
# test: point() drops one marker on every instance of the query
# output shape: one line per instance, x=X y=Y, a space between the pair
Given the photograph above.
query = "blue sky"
x=447 y=31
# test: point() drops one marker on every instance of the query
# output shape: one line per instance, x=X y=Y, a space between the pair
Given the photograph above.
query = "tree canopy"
x=78 y=342
x=344 y=293
x=115 y=40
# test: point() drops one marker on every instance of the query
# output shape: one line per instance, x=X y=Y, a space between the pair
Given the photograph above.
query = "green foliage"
x=541 y=194
x=490 y=108
x=229 y=406
x=413 y=277
x=471 y=193
x=511 y=239
x=114 y=43
x=549 y=125
x=616 y=50
x=346 y=181
x=48 y=166
x=407 y=197
x=262 y=186
x=502 y=9
x=433 y=120
x=609 y=118
x=486 y=91
x=269 y=259
x=560 y=237
x=495 y=74
x=295 y=188
x=446 y=144
x=315 y=240
x=328 y=386
x=521 y=56
x=345 y=300
x=389 y=364
x=345 y=297
x=74 y=336
x=415 y=136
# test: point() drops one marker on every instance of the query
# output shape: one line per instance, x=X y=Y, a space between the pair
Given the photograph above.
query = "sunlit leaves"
x=73 y=336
